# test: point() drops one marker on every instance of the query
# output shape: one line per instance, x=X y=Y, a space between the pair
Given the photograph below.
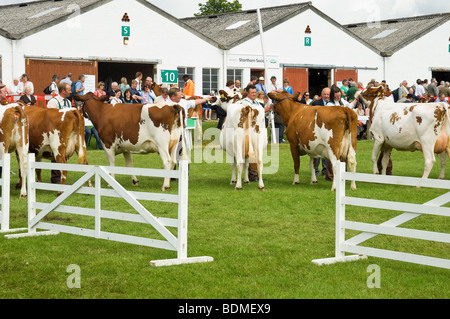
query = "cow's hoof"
x=238 y=188
x=246 y=182
x=295 y=183
x=165 y=188
x=135 y=182
x=23 y=196
x=313 y=182
x=59 y=193
x=261 y=188
x=232 y=182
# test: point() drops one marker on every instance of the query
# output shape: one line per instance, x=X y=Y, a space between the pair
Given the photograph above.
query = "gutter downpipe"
x=266 y=74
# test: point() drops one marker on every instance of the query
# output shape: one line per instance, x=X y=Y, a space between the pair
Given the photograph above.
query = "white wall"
x=415 y=60
x=5 y=53
x=330 y=46
x=152 y=37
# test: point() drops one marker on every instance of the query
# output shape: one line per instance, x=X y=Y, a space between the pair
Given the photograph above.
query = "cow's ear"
x=296 y=95
x=103 y=98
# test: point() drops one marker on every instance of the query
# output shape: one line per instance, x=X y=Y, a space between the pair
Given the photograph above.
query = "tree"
x=218 y=6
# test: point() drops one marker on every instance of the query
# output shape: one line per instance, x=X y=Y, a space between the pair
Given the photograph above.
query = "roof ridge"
x=422 y=17
x=249 y=10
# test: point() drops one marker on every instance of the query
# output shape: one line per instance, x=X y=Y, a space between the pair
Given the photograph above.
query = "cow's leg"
x=333 y=161
x=430 y=159
x=313 y=170
x=129 y=163
x=245 y=170
x=296 y=157
x=351 y=162
x=375 y=151
x=21 y=155
x=443 y=158
x=385 y=160
x=167 y=164
x=240 y=167
x=233 y=172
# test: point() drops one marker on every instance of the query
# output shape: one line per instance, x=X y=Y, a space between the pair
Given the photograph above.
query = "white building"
x=302 y=43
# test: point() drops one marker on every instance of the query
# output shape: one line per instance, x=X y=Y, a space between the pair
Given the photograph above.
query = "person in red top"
x=188 y=86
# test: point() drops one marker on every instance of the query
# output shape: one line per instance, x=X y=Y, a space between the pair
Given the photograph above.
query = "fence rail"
x=99 y=173
x=390 y=227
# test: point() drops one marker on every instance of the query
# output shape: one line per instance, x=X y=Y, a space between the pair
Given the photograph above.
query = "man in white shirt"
x=61 y=100
x=402 y=90
x=420 y=91
x=14 y=88
x=54 y=85
x=273 y=86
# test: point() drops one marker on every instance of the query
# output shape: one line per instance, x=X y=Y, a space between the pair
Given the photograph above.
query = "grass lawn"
x=262 y=242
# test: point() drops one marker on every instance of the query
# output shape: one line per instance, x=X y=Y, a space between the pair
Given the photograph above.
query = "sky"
x=343 y=11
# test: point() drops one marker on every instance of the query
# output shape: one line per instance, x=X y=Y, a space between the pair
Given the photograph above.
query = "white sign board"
x=89 y=83
x=252 y=61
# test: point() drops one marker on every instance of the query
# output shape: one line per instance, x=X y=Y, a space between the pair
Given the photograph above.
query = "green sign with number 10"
x=169 y=76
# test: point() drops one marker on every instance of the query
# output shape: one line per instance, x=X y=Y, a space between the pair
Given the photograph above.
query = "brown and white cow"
x=56 y=134
x=137 y=128
x=14 y=137
x=244 y=138
x=408 y=127
x=318 y=131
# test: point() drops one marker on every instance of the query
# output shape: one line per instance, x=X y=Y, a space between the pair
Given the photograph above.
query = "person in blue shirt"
x=148 y=96
x=260 y=85
x=287 y=87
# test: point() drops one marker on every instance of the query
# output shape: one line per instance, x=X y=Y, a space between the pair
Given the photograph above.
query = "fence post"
x=183 y=210
x=340 y=209
x=31 y=176
x=6 y=175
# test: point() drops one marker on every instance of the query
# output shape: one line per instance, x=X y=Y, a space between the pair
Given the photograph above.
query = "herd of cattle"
x=318 y=131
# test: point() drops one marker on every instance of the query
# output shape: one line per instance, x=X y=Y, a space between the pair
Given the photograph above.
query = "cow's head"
x=156 y=89
x=279 y=96
x=89 y=96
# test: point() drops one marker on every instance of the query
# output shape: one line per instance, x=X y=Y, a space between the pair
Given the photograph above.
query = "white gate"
x=178 y=244
x=390 y=227
x=5 y=164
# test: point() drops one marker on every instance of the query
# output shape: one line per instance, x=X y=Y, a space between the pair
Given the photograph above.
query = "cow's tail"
x=248 y=127
x=78 y=128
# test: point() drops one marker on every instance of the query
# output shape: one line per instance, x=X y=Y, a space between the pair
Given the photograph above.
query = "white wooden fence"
x=5 y=164
x=390 y=227
x=178 y=244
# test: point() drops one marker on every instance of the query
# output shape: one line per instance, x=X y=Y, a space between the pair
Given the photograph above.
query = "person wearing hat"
x=273 y=86
x=260 y=85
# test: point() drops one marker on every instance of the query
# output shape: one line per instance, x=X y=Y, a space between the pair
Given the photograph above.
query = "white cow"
x=407 y=127
x=244 y=137
x=14 y=137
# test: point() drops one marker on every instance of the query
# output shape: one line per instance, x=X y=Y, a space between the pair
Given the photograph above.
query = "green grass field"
x=262 y=242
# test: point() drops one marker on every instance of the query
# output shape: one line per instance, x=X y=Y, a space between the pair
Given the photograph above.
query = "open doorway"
x=256 y=72
x=318 y=79
x=441 y=76
x=109 y=72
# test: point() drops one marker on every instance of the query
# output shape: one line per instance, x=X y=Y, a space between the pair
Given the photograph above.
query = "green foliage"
x=217 y=7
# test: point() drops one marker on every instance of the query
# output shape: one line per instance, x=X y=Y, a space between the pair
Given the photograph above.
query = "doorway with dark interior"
x=109 y=72
x=317 y=80
x=441 y=76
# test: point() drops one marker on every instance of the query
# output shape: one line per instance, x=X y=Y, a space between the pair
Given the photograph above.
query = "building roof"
x=244 y=24
x=221 y=29
x=389 y=36
x=20 y=20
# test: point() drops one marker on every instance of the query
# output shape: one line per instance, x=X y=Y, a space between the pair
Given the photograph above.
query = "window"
x=237 y=25
x=234 y=74
x=210 y=81
x=182 y=71
x=384 y=34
